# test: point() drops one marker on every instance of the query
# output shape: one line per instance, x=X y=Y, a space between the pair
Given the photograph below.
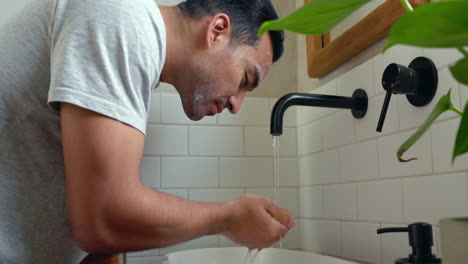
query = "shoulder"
x=117 y=11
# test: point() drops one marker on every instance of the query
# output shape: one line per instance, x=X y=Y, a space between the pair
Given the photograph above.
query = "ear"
x=219 y=30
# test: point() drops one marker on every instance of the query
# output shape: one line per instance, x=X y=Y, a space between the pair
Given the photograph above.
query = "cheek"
x=222 y=76
x=231 y=77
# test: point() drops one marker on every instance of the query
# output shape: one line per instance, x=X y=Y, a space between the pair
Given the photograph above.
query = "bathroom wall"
x=217 y=159
x=350 y=181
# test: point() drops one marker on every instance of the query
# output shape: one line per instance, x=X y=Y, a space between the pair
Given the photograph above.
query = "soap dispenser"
x=420 y=239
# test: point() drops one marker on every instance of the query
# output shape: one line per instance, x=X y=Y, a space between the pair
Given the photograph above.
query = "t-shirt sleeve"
x=106 y=57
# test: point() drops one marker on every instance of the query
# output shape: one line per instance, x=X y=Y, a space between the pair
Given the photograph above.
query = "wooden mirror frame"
x=324 y=55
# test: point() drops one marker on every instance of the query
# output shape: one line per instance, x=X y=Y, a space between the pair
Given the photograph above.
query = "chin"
x=194 y=116
x=195 y=113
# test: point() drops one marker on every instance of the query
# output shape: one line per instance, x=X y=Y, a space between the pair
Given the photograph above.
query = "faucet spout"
x=357 y=103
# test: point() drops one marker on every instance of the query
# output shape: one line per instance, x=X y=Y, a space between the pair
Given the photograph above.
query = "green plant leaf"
x=461 y=143
x=443 y=105
x=460 y=71
x=436 y=24
x=315 y=17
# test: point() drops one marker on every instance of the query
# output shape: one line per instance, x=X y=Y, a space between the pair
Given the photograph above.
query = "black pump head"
x=421 y=242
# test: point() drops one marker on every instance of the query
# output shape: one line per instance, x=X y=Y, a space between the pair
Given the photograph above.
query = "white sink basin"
x=236 y=255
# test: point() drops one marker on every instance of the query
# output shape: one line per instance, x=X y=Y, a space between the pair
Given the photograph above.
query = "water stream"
x=250 y=257
x=276 y=172
x=251 y=254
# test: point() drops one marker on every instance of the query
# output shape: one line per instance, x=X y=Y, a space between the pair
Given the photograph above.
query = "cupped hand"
x=256 y=222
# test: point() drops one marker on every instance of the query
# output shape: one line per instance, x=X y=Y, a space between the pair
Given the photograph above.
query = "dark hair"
x=246 y=18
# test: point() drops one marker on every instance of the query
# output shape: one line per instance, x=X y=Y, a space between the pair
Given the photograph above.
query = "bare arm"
x=112 y=211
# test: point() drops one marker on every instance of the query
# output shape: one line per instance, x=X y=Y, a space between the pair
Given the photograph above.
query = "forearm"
x=111 y=211
x=140 y=218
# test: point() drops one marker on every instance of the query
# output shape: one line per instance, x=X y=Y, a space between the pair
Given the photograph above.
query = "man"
x=76 y=79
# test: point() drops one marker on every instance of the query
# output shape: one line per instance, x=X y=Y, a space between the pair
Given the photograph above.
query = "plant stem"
x=406 y=4
x=463 y=51
x=456 y=110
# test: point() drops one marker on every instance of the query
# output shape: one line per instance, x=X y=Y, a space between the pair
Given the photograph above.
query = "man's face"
x=220 y=79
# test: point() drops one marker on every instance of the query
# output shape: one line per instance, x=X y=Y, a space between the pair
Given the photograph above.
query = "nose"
x=235 y=101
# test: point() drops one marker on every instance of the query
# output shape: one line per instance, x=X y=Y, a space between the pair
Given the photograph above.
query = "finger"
x=283 y=216
x=279 y=231
x=283 y=231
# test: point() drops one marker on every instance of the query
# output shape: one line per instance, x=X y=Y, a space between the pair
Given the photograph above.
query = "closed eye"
x=246 y=80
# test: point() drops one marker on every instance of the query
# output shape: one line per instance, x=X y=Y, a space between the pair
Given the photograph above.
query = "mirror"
x=353 y=35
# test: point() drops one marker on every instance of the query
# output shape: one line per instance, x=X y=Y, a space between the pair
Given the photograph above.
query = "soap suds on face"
x=198 y=98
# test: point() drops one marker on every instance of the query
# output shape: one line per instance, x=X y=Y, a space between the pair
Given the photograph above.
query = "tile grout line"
x=160 y=172
x=373 y=138
x=441 y=174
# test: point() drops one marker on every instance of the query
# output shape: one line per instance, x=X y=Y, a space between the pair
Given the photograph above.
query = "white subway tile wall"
x=394 y=245
x=190 y=172
x=289 y=171
x=311 y=202
x=361 y=242
x=166 y=140
x=432 y=198
x=308 y=229
x=348 y=82
x=339 y=202
x=150 y=171
x=329 y=236
x=339 y=177
x=338 y=130
x=246 y=172
x=380 y=201
x=332 y=202
x=359 y=162
x=310 y=138
x=353 y=178
x=215 y=141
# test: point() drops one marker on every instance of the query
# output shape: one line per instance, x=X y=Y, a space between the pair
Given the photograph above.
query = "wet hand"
x=256 y=222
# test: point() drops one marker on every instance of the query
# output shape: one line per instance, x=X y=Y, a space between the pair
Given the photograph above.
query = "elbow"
x=90 y=230
x=101 y=224
x=93 y=245
x=92 y=237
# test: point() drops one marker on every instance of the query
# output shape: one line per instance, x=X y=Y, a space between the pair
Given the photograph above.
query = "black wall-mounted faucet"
x=357 y=103
x=418 y=82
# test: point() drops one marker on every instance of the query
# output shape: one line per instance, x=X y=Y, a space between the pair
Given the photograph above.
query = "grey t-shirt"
x=102 y=55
